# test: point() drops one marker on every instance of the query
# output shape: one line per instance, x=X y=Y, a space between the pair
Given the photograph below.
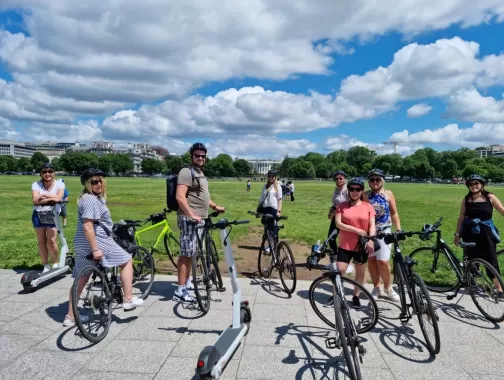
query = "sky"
x=254 y=78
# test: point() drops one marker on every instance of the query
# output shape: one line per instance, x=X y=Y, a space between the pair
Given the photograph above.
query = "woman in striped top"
x=93 y=235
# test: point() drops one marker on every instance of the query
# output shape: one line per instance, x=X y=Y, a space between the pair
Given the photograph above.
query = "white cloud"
x=470 y=105
x=7 y=131
x=418 y=110
x=345 y=142
x=452 y=134
x=82 y=131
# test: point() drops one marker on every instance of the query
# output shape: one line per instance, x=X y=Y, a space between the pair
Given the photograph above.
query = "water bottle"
x=316 y=246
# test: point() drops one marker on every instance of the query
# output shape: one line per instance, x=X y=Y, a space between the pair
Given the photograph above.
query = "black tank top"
x=481 y=210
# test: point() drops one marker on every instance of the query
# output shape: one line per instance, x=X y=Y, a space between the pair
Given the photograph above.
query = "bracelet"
x=94 y=250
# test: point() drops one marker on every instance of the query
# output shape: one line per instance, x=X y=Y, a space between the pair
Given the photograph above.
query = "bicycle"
x=100 y=305
x=419 y=296
x=347 y=331
x=453 y=274
x=171 y=243
x=204 y=259
x=270 y=250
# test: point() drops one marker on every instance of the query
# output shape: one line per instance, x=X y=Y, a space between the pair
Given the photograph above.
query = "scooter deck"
x=48 y=275
x=227 y=338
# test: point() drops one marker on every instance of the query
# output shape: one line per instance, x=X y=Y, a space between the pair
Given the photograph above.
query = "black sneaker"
x=356 y=302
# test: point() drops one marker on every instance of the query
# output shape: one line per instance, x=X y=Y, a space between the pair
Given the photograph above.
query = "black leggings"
x=332 y=242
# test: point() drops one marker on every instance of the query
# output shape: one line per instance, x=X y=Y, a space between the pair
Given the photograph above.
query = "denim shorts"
x=36 y=222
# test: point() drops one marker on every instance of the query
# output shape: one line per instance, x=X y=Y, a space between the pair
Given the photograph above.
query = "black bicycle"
x=205 y=265
x=346 y=328
x=444 y=272
x=101 y=289
x=409 y=281
x=275 y=254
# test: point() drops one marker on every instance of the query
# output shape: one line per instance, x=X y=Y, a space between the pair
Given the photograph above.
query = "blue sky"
x=82 y=103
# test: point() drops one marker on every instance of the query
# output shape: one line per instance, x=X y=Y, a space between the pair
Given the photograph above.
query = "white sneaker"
x=47 y=268
x=55 y=266
x=69 y=322
x=135 y=302
x=376 y=292
x=392 y=295
x=189 y=286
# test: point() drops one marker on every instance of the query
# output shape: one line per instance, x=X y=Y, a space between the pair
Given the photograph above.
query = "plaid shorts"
x=188 y=236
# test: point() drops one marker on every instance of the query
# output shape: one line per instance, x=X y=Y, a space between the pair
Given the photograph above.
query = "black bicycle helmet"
x=47 y=165
x=88 y=173
x=272 y=172
x=339 y=172
x=376 y=172
x=356 y=181
x=197 y=146
x=475 y=177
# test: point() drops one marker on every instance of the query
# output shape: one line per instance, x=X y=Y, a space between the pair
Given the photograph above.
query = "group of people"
x=354 y=213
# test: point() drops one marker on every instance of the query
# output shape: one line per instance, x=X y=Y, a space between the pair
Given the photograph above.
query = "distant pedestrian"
x=291 y=188
x=249 y=185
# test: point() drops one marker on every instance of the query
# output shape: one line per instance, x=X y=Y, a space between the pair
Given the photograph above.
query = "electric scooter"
x=32 y=279
x=213 y=359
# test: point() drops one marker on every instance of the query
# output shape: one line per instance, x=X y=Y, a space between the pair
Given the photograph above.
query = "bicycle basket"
x=157 y=218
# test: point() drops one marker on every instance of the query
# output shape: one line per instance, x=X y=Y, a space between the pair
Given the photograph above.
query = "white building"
x=263 y=166
x=15 y=149
x=137 y=152
x=492 y=150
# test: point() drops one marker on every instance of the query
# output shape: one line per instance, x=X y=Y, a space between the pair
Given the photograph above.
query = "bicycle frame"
x=166 y=230
x=454 y=261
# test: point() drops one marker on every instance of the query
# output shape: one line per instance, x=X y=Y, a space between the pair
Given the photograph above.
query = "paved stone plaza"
x=163 y=339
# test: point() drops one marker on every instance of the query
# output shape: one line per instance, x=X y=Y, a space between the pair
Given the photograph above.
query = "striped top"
x=92 y=207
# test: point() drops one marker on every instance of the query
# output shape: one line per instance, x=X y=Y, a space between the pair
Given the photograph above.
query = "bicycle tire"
x=340 y=329
x=198 y=287
x=349 y=326
x=146 y=260
x=89 y=270
x=374 y=305
x=433 y=285
x=262 y=254
x=471 y=292
x=401 y=283
x=500 y=253
x=282 y=263
x=215 y=263
x=171 y=255
x=436 y=347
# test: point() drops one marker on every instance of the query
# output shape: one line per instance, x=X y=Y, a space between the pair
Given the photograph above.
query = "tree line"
x=357 y=161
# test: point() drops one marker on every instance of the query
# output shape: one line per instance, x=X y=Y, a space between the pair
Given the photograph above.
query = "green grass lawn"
x=136 y=198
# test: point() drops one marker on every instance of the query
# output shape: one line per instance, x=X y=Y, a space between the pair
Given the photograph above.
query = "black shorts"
x=344 y=256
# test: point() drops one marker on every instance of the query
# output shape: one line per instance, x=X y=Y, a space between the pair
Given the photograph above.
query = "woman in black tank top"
x=479 y=204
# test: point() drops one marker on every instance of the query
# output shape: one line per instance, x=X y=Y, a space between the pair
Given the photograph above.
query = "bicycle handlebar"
x=268 y=216
x=221 y=224
x=401 y=235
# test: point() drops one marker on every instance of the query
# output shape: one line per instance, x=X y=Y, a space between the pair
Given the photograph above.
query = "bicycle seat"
x=467 y=245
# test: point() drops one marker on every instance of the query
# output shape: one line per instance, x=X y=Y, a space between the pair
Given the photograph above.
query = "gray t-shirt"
x=198 y=197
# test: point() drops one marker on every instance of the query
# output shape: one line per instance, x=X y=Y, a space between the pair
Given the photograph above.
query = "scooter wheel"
x=27 y=288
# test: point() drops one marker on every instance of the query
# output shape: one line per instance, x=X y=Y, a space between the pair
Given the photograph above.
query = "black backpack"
x=171 y=189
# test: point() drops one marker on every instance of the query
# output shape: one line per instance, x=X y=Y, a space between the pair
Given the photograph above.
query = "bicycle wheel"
x=94 y=322
x=500 y=261
x=320 y=295
x=482 y=288
x=172 y=247
x=424 y=309
x=143 y=270
x=215 y=274
x=340 y=330
x=353 y=339
x=265 y=259
x=437 y=271
x=201 y=281
x=287 y=267
x=401 y=283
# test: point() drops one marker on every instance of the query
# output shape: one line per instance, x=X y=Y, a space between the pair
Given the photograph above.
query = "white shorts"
x=384 y=252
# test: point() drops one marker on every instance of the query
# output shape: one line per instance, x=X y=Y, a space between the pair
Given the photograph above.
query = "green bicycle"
x=171 y=243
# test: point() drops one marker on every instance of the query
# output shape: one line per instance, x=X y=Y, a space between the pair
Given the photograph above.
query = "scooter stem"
x=228 y=254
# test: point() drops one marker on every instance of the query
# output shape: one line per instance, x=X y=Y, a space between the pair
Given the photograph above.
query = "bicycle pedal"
x=362 y=350
x=332 y=343
x=450 y=297
x=366 y=321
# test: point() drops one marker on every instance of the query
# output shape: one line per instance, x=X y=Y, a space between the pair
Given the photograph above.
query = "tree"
x=122 y=163
x=242 y=167
x=314 y=158
x=449 y=169
x=220 y=166
x=324 y=169
x=358 y=156
x=284 y=169
x=24 y=164
x=463 y=155
x=186 y=158
x=386 y=167
x=337 y=157
x=424 y=170
x=174 y=164
x=302 y=169
x=151 y=166
x=56 y=163
x=106 y=163
x=38 y=159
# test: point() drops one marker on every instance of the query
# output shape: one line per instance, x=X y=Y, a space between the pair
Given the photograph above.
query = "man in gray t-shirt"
x=194 y=200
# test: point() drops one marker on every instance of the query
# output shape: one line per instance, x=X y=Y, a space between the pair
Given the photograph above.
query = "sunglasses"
x=354 y=189
x=339 y=178
x=200 y=155
x=474 y=183
x=377 y=180
x=96 y=182
x=47 y=171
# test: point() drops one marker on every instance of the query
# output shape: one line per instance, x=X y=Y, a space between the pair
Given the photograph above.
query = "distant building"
x=138 y=152
x=15 y=149
x=263 y=166
x=67 y=145
x=101 y=148
x=163 y=152
x=492 y=150
x=48 y=148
